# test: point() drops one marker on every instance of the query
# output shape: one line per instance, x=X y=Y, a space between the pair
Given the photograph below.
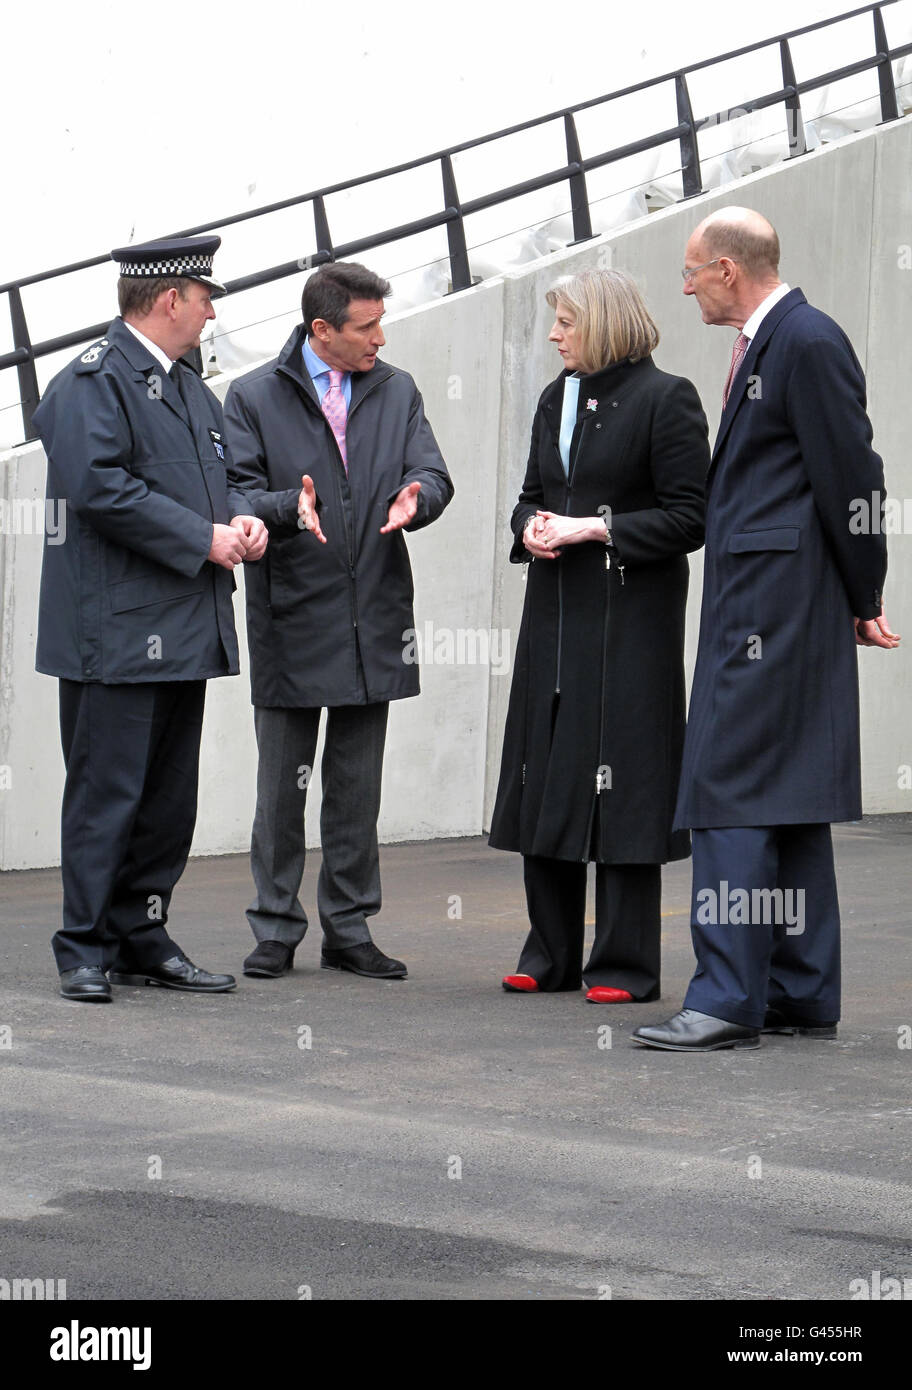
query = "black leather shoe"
x=690 y=1031
x=87 y=983
x=177 y=973
x=364 y=959
x=270 y=958
x=778 y=1021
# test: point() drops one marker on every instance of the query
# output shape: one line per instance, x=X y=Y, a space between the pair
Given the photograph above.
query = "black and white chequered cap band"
x=190 y=257
x=199 y=265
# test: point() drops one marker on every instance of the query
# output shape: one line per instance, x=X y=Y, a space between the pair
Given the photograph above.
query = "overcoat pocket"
x=773 y=538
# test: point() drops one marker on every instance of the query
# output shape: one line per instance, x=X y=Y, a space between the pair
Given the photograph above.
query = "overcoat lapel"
x=600 y=394
x=610 y=385
x=769 y=324
x=148 y=369
x=172 y=397
x=552 y=410
x=212 y=467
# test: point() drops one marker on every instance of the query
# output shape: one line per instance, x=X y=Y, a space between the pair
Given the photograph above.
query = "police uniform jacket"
x=773 y=729
x=129 y=595
x=328 y=624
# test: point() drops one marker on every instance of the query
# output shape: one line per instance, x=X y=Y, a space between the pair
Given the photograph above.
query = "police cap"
x=189 y=256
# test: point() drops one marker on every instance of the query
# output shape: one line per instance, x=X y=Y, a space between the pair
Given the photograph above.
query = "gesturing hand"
x=255 y=535
x=876 y=632
x=229 y=546
x=403 y=510
x=307 y=509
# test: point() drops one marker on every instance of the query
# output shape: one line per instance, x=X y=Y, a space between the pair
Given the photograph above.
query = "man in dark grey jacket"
x=331 y=448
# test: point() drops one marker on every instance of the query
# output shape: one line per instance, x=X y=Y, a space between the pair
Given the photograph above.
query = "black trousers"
x=129 y=810
x=765 y=923
x=626 y=952
x=348 y=888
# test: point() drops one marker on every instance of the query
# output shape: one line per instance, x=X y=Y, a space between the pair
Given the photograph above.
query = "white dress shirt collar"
x=753 y=323
x=158 y=353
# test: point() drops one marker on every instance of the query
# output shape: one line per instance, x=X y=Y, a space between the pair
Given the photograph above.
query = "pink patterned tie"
x=336 y=412
x=738 y=351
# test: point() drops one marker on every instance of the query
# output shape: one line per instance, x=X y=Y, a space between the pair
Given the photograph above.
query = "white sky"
x=122 y=123
x=127 y=121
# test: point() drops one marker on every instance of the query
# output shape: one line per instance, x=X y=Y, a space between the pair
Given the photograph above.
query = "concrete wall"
x=844 y=217
x=481 y=358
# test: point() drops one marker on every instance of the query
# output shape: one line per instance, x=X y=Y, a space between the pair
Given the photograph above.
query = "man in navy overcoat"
x=791 y=585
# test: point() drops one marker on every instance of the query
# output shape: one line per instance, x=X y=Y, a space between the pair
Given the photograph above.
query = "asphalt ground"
x=329 y=1137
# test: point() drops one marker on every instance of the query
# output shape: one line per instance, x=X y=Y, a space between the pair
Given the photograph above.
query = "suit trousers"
x=129 y=809
x=626 y=952
x=765 y=923
x=348 y=888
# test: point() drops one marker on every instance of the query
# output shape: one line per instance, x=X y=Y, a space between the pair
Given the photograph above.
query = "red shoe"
x=520 y=984
x=603 y=994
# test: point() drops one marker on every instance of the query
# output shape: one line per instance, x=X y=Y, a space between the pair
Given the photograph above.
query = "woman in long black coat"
x=611 y=504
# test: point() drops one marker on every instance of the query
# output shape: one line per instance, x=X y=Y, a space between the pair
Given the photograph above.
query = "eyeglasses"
x=688 y=274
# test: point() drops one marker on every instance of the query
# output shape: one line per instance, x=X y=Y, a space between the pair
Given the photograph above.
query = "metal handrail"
x=454 y=212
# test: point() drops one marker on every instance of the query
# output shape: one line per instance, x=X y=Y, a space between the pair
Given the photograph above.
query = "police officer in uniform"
x=136 y=615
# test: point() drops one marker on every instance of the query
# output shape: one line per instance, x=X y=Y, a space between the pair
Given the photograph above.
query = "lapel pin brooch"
x=592 y=405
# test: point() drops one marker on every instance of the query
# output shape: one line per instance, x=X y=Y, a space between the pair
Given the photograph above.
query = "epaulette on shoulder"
x=93 y=357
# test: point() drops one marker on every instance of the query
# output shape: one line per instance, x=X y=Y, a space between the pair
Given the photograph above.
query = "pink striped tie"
x=336 y=412
x=738 y=351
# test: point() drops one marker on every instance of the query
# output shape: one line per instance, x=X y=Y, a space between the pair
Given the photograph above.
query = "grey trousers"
x=348 y=890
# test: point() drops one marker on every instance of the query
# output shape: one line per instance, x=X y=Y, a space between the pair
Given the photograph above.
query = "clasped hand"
x=245 y=539
x=547 y=530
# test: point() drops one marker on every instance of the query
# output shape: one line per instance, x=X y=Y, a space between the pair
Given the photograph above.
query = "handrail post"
x=690 y=152
x=579 y=198
x=460 y=273
x=28 y=377
x=797 y=138
x=888 y=108
x=321 y=230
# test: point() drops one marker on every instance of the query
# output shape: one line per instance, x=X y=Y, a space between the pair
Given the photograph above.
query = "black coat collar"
x=608 y=384
x=290 y=363
x=605 y=382
x=136 y=353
